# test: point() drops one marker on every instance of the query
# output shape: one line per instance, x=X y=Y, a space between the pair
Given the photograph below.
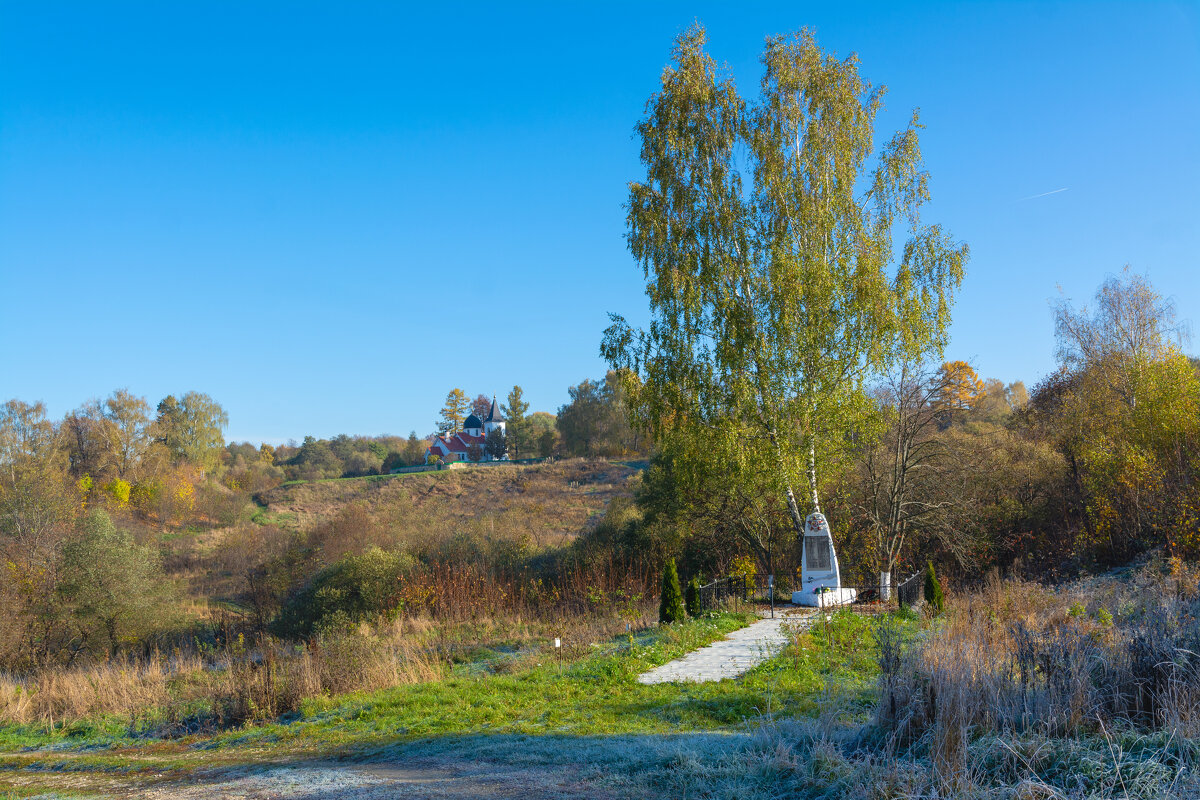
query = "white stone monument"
x=820 y=581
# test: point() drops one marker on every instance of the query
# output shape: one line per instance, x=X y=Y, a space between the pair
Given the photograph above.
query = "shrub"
x=118 y=490
x=692 y=599
x=146 y=496
x=670 y=607
x=933 y=590
x=354 y=589
x=745 y=568
x=108 y=584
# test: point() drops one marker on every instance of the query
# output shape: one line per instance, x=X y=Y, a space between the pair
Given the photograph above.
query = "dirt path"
x=454 y=780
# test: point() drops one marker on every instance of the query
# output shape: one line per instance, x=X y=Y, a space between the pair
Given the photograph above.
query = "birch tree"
x=765 y=230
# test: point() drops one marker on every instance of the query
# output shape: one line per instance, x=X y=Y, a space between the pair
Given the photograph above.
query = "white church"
x=457 y=446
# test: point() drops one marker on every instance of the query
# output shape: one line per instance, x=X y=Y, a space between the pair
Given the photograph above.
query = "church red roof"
x=459 y=442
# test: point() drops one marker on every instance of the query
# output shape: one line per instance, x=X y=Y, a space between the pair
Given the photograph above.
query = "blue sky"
x=327 y=215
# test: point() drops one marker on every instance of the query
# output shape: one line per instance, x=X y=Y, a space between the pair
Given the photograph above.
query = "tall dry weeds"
x=1017 y=658
x=235 y=684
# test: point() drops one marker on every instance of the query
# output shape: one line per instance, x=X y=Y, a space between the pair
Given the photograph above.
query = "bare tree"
x=914 y=476
x=1130 y=326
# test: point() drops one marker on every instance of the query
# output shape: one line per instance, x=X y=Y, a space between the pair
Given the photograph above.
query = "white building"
x=459 y=446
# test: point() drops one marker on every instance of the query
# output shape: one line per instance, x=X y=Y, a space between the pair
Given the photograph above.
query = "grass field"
x=496 y=699
x=511 y=721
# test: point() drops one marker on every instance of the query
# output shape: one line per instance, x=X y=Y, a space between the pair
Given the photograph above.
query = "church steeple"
x=494 y=414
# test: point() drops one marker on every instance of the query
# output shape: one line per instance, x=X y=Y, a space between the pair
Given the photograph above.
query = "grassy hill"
x=550 y=500
x=518 y=510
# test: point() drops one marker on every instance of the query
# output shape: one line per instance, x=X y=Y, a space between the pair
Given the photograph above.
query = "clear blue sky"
x=326 y=216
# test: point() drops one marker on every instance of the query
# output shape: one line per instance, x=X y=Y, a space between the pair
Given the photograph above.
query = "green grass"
x=594 y=696
x=368 y=478
x=280 y=519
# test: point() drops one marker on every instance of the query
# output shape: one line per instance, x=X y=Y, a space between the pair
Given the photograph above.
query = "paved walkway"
x=732 y=656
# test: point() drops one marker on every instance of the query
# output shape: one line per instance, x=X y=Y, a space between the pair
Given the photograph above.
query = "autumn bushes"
x=452 y=546
x=90 y=592
x=356 y=588
x=381 y=585
x=365 y=622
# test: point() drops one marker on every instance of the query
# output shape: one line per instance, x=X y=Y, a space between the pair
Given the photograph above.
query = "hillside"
x=515 y=510
x=550 y=501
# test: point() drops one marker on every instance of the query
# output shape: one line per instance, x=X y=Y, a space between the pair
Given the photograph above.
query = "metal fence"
x=869 y=599
x=909 y=593
x=878 y=598
x=720 y=591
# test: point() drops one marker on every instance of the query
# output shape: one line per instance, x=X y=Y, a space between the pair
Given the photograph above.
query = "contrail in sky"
x=1043 y=194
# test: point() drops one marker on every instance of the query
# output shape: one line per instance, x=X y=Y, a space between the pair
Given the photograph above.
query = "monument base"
x=824 y=597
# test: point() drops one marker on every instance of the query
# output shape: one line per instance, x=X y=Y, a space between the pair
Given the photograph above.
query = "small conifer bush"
x=670 y=608
x=692 y=598
x=933 y=590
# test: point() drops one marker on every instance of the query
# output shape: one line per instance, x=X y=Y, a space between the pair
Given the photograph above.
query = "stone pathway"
x=732 y=656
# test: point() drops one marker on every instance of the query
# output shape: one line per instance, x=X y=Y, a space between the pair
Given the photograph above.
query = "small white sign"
x=557 y=643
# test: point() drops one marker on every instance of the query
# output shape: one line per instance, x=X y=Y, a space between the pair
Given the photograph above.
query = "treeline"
x=83 y=501
x=1099 y=463
x=596 y=421
x=343 y=456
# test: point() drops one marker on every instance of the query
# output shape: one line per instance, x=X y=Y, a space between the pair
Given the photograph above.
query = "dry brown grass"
x=1017 y=660
x=115 y=687
x=238 y=683
x=545 y=503
x=260 y=679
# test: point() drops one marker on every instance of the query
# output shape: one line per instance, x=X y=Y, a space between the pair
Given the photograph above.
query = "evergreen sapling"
x=692 y=598
x=933 y=590
x=670 y=608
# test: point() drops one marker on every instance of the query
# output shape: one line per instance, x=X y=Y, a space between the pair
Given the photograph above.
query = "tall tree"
x=27 y=438
x=517 y=429
x=911 y=478
x=581 y=421
x=169 y=426
x=596 y=420
x=959 y=387
x=33 y=498
x=481 y=405
x=130 y=418
x=87 y=436
x=191 y=428
x=765 y=233
x=1127 y=418
x=109 y=582
x=454 y=411
x=547 y=440
x=1130 y=326
x=538 y=423
x=414 y=450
